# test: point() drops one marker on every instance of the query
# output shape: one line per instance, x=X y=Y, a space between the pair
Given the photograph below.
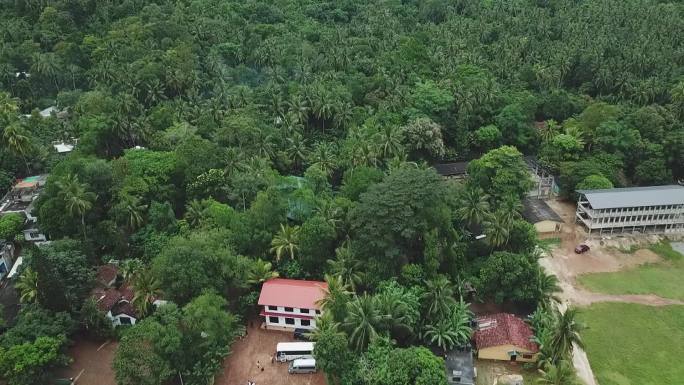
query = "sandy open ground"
x=259 y=345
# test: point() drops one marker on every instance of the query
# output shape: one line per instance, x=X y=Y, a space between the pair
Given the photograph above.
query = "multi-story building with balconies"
x=653 y=209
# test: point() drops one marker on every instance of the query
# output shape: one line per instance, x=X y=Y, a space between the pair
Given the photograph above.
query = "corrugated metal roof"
x=536 y=210
x=635 y=196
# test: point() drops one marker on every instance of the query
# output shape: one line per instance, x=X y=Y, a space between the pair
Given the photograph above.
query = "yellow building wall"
x=546 y=226
x=501 y=353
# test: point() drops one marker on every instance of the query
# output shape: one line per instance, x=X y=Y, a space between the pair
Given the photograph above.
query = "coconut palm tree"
x=296 y=149
x=497 y=230
x=566 y=334
x=77 y=200
x=510 y=210
x=133 y=212
x=27 y=285
x=286 y=240
x=347 y=267
x=195 y=213
x=261 y=272
x=8 y=107
x=560 y=374
x=324 y=156
x=441 y=335
x=547 y=286
x=474 y=206
x=146 y=289
x=439 y=297
x=17 y=142
x=388 y=140
x=399 y=321
x=129 y=268
x=325 y=322
x=336 y=297
x=362 y=321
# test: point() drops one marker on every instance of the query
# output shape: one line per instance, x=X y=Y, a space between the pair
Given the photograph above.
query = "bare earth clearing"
x=259 y=345
x=92 y=361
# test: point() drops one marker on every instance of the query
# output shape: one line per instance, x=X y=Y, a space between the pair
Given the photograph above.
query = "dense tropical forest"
x=221 y=143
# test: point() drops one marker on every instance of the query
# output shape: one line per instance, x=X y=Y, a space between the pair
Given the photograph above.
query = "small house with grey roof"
x=653 y=210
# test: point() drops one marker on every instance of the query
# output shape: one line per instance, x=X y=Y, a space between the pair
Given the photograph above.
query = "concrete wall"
x=501 y=353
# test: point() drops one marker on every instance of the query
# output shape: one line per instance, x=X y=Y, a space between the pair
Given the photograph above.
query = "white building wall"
x=282 y=318
x=116 y=320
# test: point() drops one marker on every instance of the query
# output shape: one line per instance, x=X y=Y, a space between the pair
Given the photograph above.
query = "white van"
x=304 y=365
x=288 y=351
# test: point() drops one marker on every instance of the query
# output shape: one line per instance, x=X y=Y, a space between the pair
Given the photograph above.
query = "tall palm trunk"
x=83 y=227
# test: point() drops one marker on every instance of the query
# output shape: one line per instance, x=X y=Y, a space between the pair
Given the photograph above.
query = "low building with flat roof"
x=652 y=209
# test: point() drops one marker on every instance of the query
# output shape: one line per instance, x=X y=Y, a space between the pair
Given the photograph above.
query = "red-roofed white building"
x=505 y=337
x=291 y=303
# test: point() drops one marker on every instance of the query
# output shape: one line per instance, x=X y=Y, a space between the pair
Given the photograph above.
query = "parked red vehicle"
x=581 y=249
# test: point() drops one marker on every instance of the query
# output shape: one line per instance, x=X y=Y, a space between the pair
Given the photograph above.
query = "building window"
x=305 y=322
x=318 y=312
x=304 y=311
x=273 y=320
x=125 y=320
x=289 y=321
x=527 y=356
x=274 y=308
x=289 y=309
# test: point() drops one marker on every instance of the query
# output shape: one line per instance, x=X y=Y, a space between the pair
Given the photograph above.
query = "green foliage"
x=94 y=321
x=395 y=214
x=488 y=137
x=64 y=275
x=416 y=365
x=501 y=173
x=430 y=99
x=572 y=173
x=30 y=363
x=357 y=181
x=316 y=243
x=594 y=182
x=190 y=342
x=10 y=226
x=191 y=263
x=508 y=276
x=179 y=117
x=33 y=322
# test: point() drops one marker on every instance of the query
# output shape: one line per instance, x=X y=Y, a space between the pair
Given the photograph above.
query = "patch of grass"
x=661 y=279
x=665 y=250
x=549 y=242
x=628 y=250
x=631 y=344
